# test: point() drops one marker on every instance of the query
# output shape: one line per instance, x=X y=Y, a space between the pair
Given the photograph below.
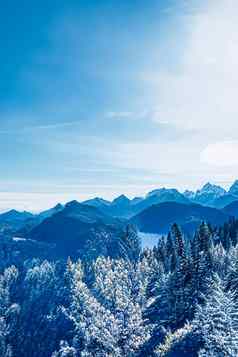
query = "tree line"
x=177 y=299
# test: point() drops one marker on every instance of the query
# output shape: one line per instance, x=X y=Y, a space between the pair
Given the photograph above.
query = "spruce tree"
x=216 y=322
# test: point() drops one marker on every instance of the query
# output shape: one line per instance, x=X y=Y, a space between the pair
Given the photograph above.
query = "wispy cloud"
x=222 y=154
x=117 y=108
x=36 y=128
x=152 y=114
x=120 y=115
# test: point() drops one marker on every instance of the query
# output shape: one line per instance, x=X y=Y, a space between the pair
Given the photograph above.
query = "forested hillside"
x=119 y=178
x=178 y=299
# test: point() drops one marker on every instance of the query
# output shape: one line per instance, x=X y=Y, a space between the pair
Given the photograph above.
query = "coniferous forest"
x=119 y=178
x=177 y=299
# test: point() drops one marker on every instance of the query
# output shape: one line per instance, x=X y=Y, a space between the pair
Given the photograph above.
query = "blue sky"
x=104 y=97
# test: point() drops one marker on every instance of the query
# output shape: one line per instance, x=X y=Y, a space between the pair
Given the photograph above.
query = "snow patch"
x=18 y=239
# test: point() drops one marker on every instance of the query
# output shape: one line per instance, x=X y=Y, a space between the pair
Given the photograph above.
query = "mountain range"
x=213 y=195
x=123 y=207
x=73 y=227
x=14 y=219
x=209 y=195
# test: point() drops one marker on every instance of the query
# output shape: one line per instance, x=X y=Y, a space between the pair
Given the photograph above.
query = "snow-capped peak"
x=189 y=194
x=215 y=190
x=234 y=188
x=162 y=191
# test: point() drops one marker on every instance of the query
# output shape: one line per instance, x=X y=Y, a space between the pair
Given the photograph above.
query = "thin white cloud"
x=40 y=127
x=120 y=115
x=152 y=114
x=54 y=126
x=223 y=154
x=196 y=89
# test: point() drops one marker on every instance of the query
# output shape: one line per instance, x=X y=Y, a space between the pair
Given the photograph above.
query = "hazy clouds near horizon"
x=105 y=98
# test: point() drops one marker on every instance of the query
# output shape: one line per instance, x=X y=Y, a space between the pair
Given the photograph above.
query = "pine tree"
x=232 y=276
x=8 y=310
x=216 y=322
x=180 y=279
x=204 y=235
x=132 y=243
x=170 y=253
x=108 y=322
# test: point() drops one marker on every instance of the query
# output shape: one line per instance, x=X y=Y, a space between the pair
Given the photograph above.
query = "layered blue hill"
x=13 y=220
x=123 y=207
x=232 y=209
x=73 y=228
x=159 y=218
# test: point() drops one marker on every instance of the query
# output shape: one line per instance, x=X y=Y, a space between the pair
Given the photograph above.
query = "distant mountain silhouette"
x=160 y=196
x=232 y=209
x=13 y=220
x=123 y=207
x=72 y=227
x=48 y=213
x=14 y=215
x=234 y=189
x=154 y=212
x=207 y=195
x=119 y=207
x=35 y=220
x=213 y=195
x=224 y=200
x=97 y=202
x=159 y=218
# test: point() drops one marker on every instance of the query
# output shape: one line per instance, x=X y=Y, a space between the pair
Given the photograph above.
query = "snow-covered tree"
x=217 y=322
x=8 y=310
x=108 y=319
